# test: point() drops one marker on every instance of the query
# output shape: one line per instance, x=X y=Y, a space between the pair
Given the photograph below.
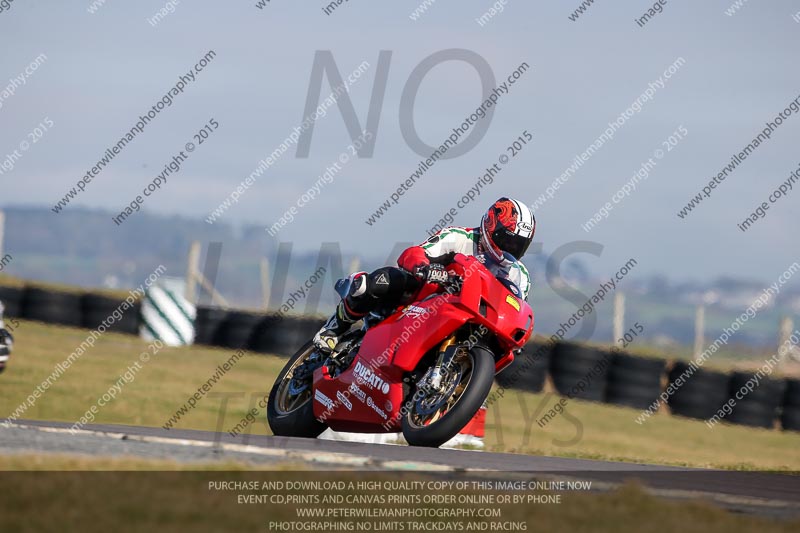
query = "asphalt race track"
x=758 y=492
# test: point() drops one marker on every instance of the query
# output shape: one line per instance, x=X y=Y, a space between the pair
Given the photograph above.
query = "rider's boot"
x=386 y=285
x=327 y=337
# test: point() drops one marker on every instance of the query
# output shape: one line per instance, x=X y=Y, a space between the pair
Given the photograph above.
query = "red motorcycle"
x=425 y=368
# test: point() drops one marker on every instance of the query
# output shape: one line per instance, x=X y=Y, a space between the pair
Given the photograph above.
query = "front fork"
x=446 y=352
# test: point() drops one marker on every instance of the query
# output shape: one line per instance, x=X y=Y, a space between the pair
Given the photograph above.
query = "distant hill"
x=83 y=247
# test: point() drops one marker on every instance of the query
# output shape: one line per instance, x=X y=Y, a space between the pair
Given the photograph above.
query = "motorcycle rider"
x=507 y=227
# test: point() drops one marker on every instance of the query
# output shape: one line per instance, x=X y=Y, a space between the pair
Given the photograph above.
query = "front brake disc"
x=428 y=405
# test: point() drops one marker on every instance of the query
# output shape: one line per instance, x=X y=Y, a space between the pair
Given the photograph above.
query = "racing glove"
x=432 y=273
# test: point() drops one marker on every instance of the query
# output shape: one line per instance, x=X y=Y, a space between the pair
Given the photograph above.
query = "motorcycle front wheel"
x=290 y=411
x=436 y=416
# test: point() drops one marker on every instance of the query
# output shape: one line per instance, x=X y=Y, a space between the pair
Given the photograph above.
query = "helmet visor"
x=510 y=242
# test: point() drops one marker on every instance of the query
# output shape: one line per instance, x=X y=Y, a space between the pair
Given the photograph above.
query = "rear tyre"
x=431 y=422
x=290 y=411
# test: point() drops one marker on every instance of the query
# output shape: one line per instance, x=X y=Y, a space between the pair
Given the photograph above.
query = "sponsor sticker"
x=414 y=311
x=358 y=393
x=343 y=399
x=381 y=412
x=367 y=377
x=510 y=300
x=324 y=400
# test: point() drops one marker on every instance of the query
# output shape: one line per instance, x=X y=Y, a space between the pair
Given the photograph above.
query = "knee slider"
x=354 y=302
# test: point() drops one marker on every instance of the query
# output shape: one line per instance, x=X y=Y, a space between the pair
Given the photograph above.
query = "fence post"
x=265 y=282
x=619 y=316
x=192 y=267
x=699 y=331
x=784 y=333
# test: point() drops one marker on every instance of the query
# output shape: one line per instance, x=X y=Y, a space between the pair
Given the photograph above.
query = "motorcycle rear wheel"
x=291 y=413
x=443 y=421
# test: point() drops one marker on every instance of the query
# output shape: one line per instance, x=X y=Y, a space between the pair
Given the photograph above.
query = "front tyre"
x=290 y=411
x=435 y=416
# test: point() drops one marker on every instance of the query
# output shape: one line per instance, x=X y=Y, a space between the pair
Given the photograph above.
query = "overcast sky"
x=105 y=69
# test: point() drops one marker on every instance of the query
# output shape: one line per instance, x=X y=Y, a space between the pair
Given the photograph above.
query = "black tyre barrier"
x=52 y=307
x=536 y=357
x=12 y=300
x=701 y=394
x=634 y=381
x=281 y=335
x=790 y=417
x=236 y=331
x=756 y=408
x=307 y=327
x=207 y=325
x=580 y=371
x=618 y=379
x=273 y=335
x=98 y=308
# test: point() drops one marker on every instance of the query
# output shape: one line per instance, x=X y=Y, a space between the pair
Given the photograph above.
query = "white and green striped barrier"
x=167 y=316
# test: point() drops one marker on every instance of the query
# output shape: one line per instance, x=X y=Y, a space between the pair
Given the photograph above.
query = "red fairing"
x=369 y=395
x=365 y=398
x=412 y=258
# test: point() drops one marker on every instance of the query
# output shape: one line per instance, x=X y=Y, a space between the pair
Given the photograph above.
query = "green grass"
x=589 y=430
x=599 y=431
x=182 y=501
x=159 y=389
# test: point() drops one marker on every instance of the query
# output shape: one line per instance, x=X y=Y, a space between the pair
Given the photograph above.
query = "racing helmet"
x=508 y=226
